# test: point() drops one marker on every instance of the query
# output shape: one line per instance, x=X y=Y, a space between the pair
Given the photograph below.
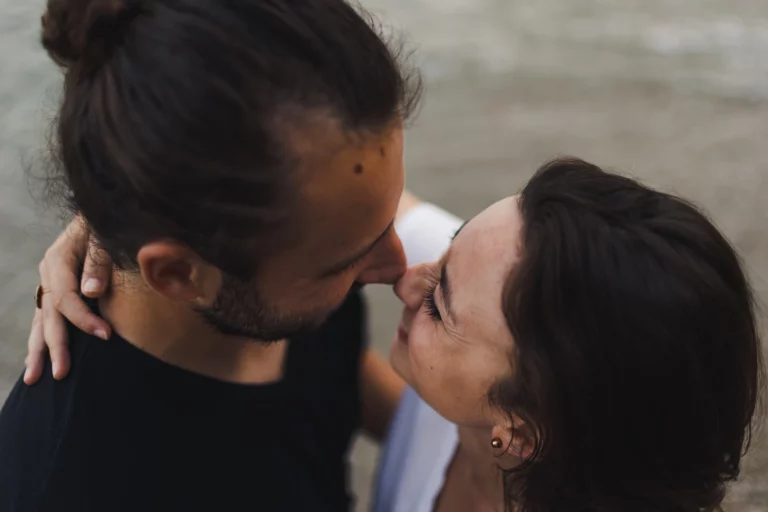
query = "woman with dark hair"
x=588 y=345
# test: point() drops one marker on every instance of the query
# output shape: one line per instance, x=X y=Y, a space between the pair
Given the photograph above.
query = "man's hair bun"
x=86 y=31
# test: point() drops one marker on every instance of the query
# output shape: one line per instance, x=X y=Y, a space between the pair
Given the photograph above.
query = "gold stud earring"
x=496 y=442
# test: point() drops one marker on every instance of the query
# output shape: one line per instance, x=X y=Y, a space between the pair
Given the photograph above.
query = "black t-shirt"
x=128 y=432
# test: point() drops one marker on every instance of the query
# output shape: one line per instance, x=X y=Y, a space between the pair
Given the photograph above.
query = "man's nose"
x=387 y=263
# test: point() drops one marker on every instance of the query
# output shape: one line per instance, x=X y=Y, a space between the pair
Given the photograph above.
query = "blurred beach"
x=674 y=92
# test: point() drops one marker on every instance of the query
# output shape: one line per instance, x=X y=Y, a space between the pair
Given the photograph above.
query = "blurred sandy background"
x=672 y=91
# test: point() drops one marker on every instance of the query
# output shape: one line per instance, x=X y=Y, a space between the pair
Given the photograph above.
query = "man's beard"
x=240 y=310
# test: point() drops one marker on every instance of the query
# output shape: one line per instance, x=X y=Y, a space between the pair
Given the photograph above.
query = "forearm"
x=381 y=389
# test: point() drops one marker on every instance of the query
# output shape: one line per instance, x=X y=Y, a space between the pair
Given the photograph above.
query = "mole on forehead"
x=359 y=168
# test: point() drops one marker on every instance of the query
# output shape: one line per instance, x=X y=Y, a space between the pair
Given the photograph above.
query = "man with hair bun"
x=237 y=165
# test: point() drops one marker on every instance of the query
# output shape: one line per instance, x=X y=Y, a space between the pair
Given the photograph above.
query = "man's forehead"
x=345 y=207
x=354 y=174
x=349 y=198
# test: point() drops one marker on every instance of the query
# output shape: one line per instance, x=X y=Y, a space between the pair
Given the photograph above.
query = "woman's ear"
x=513 y=437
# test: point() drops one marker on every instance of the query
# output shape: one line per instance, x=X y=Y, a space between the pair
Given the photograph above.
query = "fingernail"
x=101 y=333
x=91 y=285
x=26 y=374
x=55 y=370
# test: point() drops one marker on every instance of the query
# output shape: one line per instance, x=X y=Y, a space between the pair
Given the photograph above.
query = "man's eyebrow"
x=338 y=267
x=445 y=287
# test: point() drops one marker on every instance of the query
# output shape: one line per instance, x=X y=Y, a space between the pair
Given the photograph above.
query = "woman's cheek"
x=422 y=343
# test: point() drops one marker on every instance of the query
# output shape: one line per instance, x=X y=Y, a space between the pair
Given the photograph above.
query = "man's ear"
x=176 y=272
x=516 y=438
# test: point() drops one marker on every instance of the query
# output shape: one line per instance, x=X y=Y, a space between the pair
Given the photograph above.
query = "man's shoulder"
x=33 y=422
x=36 y=419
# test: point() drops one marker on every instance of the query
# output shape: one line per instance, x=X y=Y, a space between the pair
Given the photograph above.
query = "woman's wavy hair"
x=637 y=356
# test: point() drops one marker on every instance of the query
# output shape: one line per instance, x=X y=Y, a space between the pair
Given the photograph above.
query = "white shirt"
x=421 y=443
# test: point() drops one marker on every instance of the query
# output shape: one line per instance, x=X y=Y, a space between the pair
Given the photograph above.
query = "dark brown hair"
x=175 y=112
x=637 y=358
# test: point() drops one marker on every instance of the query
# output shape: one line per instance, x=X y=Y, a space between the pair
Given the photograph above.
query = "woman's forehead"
x=481 y=258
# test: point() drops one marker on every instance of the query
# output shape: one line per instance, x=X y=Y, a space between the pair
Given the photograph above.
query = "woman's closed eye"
x=431 y=306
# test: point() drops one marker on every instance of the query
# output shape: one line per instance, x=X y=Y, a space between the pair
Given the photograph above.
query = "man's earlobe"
x=170 y=269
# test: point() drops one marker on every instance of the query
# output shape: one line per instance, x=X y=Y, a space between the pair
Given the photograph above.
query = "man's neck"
x=174 y=333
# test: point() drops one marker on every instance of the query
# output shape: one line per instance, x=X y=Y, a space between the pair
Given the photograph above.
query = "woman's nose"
x=412 y=287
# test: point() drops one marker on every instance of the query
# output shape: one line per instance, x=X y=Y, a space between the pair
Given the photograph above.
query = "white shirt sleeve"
x=426 y=232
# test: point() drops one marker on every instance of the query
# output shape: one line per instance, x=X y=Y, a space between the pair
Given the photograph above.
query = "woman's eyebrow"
x=459 y=230
x=445 y=283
